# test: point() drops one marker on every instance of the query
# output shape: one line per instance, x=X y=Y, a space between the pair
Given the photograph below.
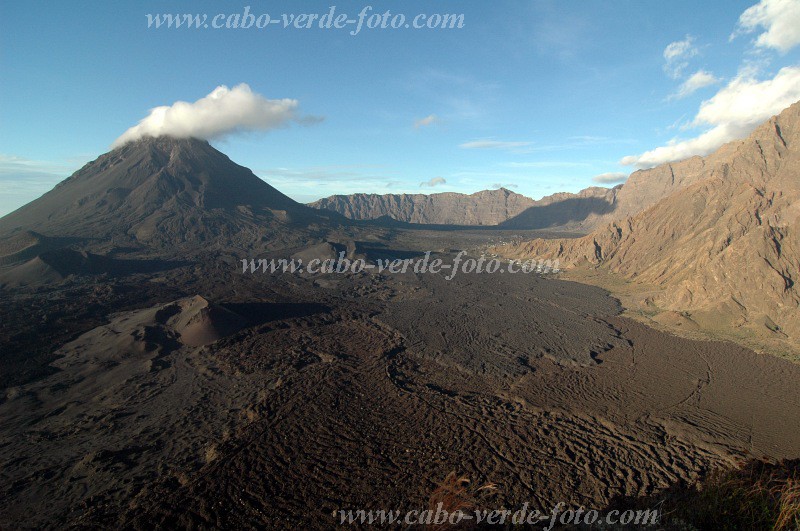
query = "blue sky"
x=540 y=96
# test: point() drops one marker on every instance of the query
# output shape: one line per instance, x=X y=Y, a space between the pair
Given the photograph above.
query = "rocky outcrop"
x=488 y=207
x=722 y=244
x=583 y=211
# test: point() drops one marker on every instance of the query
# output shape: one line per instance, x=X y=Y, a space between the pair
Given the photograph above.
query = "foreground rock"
x=369 y=400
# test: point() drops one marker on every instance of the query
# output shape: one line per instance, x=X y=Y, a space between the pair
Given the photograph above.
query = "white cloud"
x=748 y=102
x=732 y=113
x=679 y=150
x=696 y=81
x=497 y=186
x=431 y=119
x=222 y=112
x=677 y=54
x=436 y=181
x=610 y=178
x=493 y=144
x=680 y=49
x=780 y=19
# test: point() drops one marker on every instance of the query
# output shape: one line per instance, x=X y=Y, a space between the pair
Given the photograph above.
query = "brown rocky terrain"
x=584 y=211
x=720 y=250
x=565 y=211
x=291 y=397
x=147 y=382
x=486 y=208
x=164 y=193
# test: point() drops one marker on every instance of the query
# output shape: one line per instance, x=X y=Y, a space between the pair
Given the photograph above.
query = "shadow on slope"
x=57 y=265
x=256 y=313
x=566 y=212
x=758 y=495
x=561 y=214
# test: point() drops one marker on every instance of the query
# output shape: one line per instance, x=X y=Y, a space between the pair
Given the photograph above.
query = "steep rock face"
x=584 y=211
x=488 y=207
x=581 y=211
x=163 y=191
x=724 y=243
x=644 y=188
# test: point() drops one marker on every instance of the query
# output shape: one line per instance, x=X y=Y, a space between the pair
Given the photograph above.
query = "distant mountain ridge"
x=722 y=244
x=583 y=211
x=485 y=208
x=488 y=207
x=567 y=210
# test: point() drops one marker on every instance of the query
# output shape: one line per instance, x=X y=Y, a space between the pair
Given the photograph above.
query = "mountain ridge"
x=486 y=207
x=722 y=249
x=164 y=191
x=499 y=207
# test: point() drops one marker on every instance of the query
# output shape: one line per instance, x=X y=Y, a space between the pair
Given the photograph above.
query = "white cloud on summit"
x=224 y=111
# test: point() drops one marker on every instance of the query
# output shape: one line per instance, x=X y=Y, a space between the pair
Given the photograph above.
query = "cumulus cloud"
x=677 y=55
x=224 y=111
x=493 y=144
x=696 y=81
x=780 y=20
x=431 y=119
x=436 y=181
x=497 y=186
x=610 y=178
x=732 y=113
